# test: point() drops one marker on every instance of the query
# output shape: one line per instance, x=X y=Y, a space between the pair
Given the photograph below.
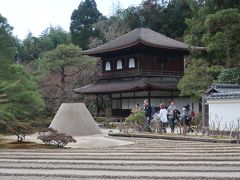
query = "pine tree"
x=17 y=86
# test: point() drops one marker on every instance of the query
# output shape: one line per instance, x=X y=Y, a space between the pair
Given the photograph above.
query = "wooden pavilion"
x=141 y=64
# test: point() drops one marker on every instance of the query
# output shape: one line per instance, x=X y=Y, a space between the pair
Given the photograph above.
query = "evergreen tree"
x=82 y=20
x=7 y=49
x=215 y=25
x=18 y=88
x=64 y=69
x=229 y=76
x=222 y=38
x=200 y=10
x=28 y=50
x=32 y=48
x=52 y=37
x=151 y=13
x=174 y=15
x=199 y=74
x=132 y=17
x=23 y=95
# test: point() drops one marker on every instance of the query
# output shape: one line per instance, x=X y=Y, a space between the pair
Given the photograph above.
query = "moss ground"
x=23 y=145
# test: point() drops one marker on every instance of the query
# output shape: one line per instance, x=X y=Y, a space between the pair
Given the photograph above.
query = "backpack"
x=193 y=114
x=189 y=116
x=152 y=111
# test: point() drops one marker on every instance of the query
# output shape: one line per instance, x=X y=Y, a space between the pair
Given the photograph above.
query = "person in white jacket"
x=163 y=118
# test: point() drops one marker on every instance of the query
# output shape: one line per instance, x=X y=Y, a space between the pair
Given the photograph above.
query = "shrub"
x=4 y=127
x=53 y=137
x=137 y=117
x=20 y=129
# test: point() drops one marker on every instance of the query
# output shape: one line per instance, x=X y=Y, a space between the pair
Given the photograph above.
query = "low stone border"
x=179 y=137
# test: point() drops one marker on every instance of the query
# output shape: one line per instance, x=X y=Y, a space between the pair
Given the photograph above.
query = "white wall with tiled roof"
x=224 y=105
x=224 y=112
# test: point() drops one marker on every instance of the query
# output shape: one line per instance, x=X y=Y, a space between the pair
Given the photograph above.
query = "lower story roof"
x=106 y=87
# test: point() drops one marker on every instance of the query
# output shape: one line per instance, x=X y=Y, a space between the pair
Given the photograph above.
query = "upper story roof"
x=145 y=36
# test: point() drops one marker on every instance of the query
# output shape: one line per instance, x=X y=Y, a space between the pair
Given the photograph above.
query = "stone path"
x=144 y=159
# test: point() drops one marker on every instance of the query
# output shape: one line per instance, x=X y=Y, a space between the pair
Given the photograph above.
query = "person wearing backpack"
x=153 y=111
x=187 y=113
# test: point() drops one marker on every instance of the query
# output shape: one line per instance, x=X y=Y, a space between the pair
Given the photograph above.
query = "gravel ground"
x=138 y=159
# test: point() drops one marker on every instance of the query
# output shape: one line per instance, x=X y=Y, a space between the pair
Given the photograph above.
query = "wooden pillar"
x=121 y=100
x=172 y=95
x=110 y=96
x=138 y=64
x=121 y=108
x=97 y=105
x=149 y=96
x=126 y=63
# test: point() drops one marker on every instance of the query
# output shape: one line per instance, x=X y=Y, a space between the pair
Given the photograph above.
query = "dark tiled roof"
x=219 y=96
x=141 y=35
x=125 y=86
x=223 y=91
x=224 y=88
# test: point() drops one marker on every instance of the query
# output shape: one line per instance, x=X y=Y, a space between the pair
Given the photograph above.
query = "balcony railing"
x=145 y=72
x=142 y=72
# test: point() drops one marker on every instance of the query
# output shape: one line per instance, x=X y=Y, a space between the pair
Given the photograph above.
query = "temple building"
x=141 y=64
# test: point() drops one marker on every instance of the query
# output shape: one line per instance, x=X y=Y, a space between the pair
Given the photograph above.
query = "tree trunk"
x=63 y=76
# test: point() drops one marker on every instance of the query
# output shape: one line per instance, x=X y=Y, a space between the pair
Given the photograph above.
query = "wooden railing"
x=142 y=72
x=145 y=72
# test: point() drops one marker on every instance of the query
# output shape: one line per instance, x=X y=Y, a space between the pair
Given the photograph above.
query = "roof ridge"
x=226 y=93
x=219 y=85
x=146 y=36
x=220 y=96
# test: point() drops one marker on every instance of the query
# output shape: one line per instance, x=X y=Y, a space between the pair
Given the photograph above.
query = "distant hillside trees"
x=31 y=48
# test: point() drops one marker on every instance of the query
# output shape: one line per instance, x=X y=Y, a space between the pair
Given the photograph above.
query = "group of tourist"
x=169 y=116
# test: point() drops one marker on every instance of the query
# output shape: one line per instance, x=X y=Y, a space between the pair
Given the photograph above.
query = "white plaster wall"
x=130 y=103
x=181 y=102
x=156 y=101
x=225 y=112
x=125 y=104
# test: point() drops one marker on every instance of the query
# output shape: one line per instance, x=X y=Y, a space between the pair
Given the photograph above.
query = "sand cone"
x=75 y=119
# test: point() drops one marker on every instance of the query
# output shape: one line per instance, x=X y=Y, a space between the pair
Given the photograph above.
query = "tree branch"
x=72 y=74
x=49 y=85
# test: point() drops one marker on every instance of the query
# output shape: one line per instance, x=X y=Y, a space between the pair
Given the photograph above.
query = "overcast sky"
x=36 y=15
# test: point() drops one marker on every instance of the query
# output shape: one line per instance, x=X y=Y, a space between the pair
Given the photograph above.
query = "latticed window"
x=131 y=63
x=119 y=64
x=108 y=66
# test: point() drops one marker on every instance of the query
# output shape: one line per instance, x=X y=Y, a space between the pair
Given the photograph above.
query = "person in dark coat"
x=187 y=115
x=148 y=111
